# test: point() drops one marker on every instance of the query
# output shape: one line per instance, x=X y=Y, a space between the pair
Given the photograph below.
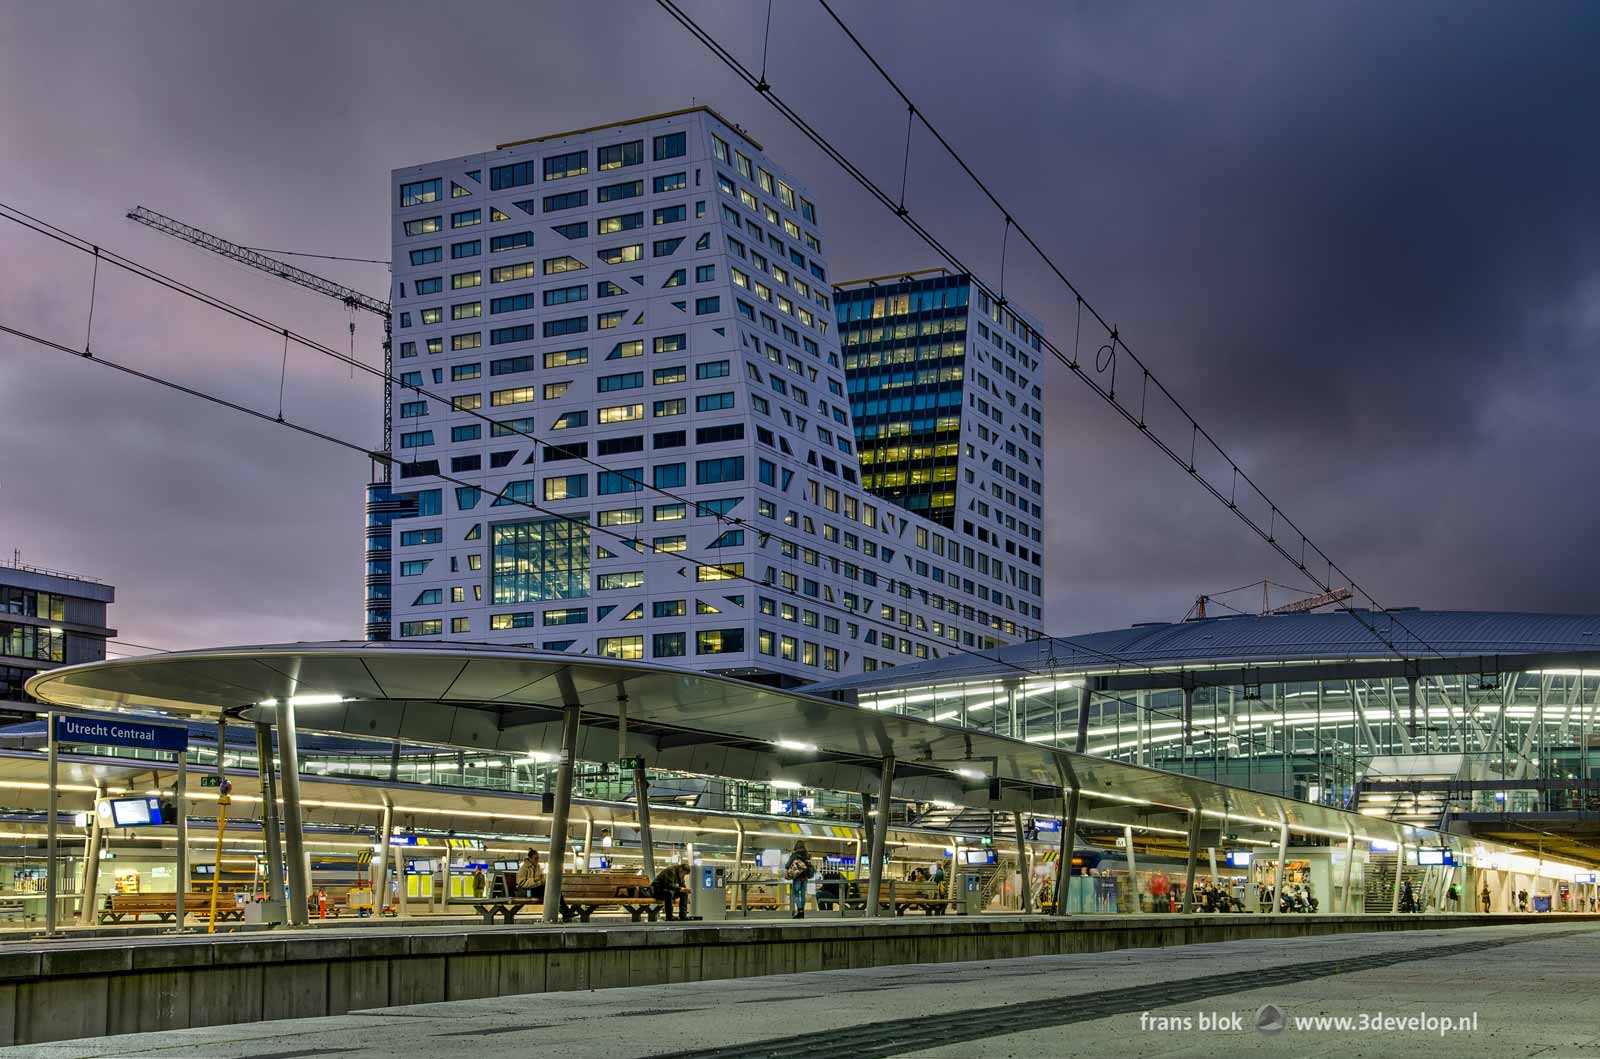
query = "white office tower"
x=631 y=434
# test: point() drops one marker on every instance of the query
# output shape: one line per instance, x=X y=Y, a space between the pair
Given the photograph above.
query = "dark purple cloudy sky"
x=1361 y=240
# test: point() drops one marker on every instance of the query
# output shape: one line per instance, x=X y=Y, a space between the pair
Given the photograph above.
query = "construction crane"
x=351 y=298
x=1321 y=599
x=1299 y=606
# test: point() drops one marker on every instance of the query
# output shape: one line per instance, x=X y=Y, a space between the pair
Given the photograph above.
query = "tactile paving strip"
x=898 y=1036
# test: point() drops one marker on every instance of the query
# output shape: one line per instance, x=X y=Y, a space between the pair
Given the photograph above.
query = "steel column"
x=180 y=805
x=269 y=824
x=52 y=883
x=558 y=822
x=89 y=883
x=1399 y=870
x=1349 y=866
x=641 y=794
x=879 y=835
x=1194 y=858
x=1133 y=869
x=1283 y=856
x=380 y=885
x=293 y=821
x=1024 y=879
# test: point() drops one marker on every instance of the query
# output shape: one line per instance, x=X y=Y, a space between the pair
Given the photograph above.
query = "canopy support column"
x=879 y=834
x=1024 y=877
x=641 y=794
x=293 y=821
x=273 y=905
x=1283 y=856
x=1194 y=858
x=558 y=821
x=1349 y=866
x=89 y=883
x=1133 y=869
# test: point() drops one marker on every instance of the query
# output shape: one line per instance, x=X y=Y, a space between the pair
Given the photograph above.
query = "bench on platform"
x=901 y=896
x=584 y=892
x=165 y=907
x=506 y=908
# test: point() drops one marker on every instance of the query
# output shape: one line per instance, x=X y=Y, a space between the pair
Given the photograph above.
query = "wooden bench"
x=505 y=907
x=901 y=895
x=165 y=907
x=582 y=893
x=758 y=896
x=134 y=906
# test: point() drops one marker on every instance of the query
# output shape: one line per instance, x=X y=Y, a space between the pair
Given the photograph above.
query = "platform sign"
x=1239 y=858
x=113 y=731
x=1432 y=858
x=1585 y=877
x=1041 y=824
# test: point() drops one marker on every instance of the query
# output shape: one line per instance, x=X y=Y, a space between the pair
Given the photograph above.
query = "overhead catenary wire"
x=1072 y=363
x=323 y=257
x=638 y=544
x=151 y=275
x=69 y=239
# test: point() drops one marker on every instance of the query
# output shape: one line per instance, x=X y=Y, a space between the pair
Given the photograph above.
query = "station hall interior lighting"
x=307 y=700
x=791 y=744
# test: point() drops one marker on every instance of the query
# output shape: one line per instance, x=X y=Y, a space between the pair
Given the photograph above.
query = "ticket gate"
x=708 y=893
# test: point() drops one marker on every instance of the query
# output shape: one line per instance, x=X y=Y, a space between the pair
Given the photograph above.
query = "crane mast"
x=348 y=296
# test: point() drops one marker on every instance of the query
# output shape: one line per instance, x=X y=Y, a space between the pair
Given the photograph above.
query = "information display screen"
x=136 y=812
x=1239 y=858
x=975 y=857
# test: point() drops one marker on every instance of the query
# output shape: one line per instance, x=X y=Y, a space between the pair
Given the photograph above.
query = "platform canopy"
x=511 y=700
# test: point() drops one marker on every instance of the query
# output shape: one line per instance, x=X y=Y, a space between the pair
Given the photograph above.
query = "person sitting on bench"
x=530 y=877
x=671 y=883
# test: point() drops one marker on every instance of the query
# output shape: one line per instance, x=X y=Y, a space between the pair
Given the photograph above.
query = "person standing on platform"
x=798 y=871
x=1484 y=897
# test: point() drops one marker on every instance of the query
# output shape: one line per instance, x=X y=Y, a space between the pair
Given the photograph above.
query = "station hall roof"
x=509 y=700
x=1435 y=641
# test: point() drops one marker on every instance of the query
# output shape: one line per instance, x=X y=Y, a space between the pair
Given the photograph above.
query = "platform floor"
x=1530 y=986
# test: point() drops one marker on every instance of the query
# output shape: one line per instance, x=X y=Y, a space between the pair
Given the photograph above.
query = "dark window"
x=712 y=435
x=672 y=145
x=628 y=189
x=569 y=201
x=511 y=176
x=617 y=446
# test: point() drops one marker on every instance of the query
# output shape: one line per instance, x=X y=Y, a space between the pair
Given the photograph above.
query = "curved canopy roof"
x=511 y=700
x=1429 y=641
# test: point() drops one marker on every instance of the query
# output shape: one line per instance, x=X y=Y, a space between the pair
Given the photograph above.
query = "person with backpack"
x=799 y=871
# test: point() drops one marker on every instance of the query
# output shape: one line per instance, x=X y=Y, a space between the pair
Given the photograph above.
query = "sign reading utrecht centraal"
x=113 y=731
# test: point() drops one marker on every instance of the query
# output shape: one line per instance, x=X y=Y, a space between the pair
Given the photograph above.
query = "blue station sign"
x=113 y=731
